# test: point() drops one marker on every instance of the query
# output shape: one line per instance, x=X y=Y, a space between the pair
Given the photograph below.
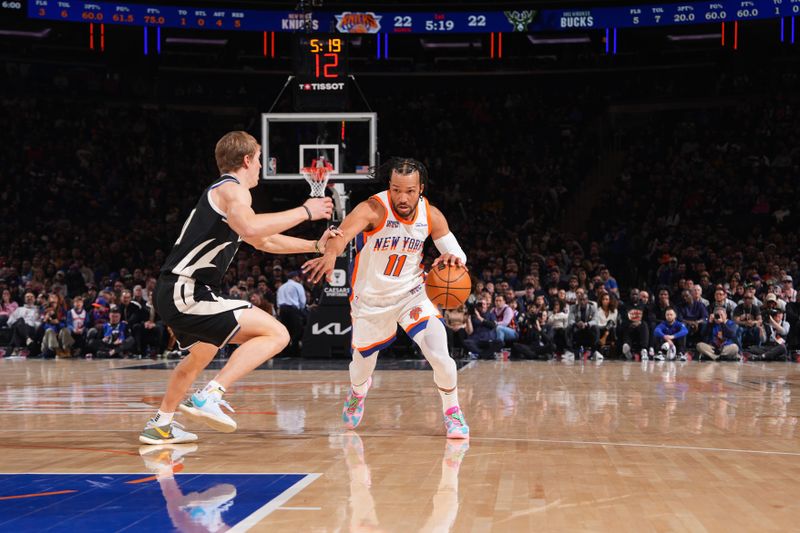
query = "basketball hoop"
x=317 y=176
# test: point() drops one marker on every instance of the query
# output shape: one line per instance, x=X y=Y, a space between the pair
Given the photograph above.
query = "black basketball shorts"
x=194 y=313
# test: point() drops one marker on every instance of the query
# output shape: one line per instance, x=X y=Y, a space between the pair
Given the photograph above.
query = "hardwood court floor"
x=555 y=447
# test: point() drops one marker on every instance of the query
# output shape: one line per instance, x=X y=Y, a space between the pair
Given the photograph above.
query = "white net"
x=317 y=176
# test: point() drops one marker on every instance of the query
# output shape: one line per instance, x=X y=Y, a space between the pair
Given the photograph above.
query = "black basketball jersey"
x=206 y=246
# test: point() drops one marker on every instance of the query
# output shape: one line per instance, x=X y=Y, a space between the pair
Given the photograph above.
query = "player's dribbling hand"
x=320 y=208
x=450 y=260
x=330 y=233
x=316 y=269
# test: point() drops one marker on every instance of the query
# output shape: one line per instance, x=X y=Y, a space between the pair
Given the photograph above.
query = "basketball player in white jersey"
x=187 y=293
x=388 y=287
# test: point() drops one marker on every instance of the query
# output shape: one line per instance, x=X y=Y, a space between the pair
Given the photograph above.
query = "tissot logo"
x=334 y=328
x=321 y=86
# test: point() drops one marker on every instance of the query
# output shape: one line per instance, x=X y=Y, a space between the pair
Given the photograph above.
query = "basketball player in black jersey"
x=187 y=294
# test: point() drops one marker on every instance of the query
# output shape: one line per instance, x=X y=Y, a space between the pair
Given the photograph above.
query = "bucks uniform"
x=388 y=280
x=187 y=290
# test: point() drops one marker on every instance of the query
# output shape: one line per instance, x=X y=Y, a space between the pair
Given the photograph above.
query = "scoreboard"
x=520 y=20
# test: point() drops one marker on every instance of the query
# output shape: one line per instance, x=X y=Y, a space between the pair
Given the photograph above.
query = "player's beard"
x=409 y=215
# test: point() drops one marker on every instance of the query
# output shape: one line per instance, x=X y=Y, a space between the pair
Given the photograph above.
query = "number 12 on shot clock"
x=321 y=57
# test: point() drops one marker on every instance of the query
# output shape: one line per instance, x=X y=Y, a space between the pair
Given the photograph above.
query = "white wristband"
x=449 y=245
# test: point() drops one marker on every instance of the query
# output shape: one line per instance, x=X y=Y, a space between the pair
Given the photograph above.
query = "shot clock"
x=320 y=69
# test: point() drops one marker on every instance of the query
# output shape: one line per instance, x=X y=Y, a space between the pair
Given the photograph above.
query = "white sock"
x=361 y=390
x=212 y=388
x=162 y=418
x=449 y=399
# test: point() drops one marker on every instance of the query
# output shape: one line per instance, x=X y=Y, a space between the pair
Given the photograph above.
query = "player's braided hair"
x=403 y=166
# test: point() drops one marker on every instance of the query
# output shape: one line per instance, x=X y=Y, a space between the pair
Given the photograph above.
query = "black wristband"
x=307 y=211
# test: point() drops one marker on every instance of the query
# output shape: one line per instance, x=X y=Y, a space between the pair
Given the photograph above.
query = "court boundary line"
x=274 y=504
x=637 y=445
x=306 y=474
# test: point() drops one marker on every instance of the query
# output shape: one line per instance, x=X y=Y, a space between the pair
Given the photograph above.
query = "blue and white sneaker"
x=209 y=411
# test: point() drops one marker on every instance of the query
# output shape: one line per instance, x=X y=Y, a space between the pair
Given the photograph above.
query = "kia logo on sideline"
x=334 y=328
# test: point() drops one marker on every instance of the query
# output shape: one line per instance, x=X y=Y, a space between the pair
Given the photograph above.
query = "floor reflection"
x=363 y=511
x=197 y=510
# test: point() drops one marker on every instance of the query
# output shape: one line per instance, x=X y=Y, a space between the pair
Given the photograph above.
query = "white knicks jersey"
x=388 y=261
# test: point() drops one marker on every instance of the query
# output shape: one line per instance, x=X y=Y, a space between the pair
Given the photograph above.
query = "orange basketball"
x=448 y=286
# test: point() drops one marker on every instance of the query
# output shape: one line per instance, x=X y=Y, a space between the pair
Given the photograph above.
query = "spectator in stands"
x=558 y=320
x=606 y=319
x=483 y=342
x=635 y=327
x=503 y=316
x=262 y=303
x=154 y=335
x=56 y=339
x=747 y=316
x=697 y=296
x=694 y=315
x=775 y=290
x=527 y=298
x=750 y=290
x=24 y=322
x=722 y=338
x=115 y=340
x=292 y=308
x=609 y=283
x=583 y=332
x=659 y=308
x=570 y=297
x=77 y=323
x=132 y=314
x=721 y=300
x=789 y=293
x=670 y=337
x=458 y=326
x=7 y=307
x=706 y=287
x=644 y=299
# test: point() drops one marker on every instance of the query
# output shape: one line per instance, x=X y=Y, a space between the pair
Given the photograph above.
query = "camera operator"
x=539 y=339
x=722 y=337
x=774 y=331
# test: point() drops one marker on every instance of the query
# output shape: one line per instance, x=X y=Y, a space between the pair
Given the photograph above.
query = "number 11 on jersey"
x=395 y=265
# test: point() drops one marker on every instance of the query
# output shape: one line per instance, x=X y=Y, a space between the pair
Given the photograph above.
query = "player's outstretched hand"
x=317 y=268
x=450 y=260
x=330 y=233
x=320 y=208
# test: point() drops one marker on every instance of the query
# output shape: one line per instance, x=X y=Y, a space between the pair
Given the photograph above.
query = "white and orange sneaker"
x=457 y=427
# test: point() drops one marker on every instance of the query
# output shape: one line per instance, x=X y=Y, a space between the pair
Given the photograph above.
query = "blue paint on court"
x=108 y=502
